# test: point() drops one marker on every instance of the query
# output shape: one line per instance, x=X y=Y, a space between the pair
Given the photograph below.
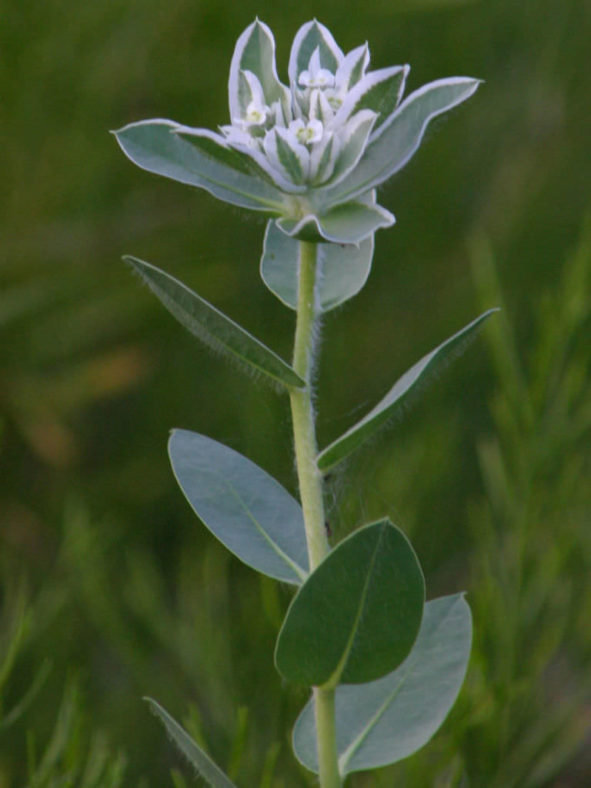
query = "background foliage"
x=110 y=588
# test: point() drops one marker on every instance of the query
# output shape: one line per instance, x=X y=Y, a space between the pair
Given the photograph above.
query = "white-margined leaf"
x=378 y=91
x=310 y=37
x=241 y=154
x=324 y=156
x=320 y=107
x=286 y=154
x=206 y=162
x=268 y=167
x=348 y=223
x=255 y=52
x=400 y=135
x=357 y=133
x=352 y=68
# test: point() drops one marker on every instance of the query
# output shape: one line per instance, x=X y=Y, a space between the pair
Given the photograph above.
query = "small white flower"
x=315 y=76
x=317 y=131
x=256 y=114
x=256 y=109
x=311 y=153
x=306 y=133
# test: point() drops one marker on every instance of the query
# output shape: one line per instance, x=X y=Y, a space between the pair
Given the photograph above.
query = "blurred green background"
x=111 y=589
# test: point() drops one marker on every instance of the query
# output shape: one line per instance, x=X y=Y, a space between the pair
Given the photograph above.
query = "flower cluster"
x=317 y=130
x=312 y=153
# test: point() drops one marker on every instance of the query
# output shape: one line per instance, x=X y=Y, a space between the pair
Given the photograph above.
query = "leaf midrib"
x=334 y=678
x=386 y=407
x=299 y=571
x=222 y=319
x=356 y=743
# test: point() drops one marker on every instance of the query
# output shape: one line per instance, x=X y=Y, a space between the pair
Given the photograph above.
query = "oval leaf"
x=157 y=146
x=244 y=507
x=342 y=269
x=213 y=327
x=358 y=614
x=387 y=720
x=206 y=768
x=398 y=396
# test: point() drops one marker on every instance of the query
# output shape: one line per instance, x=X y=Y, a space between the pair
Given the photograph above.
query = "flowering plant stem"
x=310 y=483
x=311 y=155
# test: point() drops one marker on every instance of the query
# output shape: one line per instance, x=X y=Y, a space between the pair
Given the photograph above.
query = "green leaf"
x=379 y=91
x=158 y=146
x=255 y=52
x=387 y=720
x=244 y=507
x=357 y=615
x=349 y=223
x=399 y=136
x=291 y=156
x=213 y=327
x=398 y=396
x=358 y=129
x=206 y=768
x=313 y=35
x=342 y=269
x=353 y=67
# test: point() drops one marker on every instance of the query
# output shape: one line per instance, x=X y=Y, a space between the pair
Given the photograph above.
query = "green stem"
x=302 y=411
x=310 y=483
x=326 y=738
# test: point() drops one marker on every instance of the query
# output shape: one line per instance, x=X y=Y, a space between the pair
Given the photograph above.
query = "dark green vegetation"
x=111 y=589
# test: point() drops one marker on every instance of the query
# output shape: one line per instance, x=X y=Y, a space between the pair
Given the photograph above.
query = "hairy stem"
x=310 y=483
x=302 y=411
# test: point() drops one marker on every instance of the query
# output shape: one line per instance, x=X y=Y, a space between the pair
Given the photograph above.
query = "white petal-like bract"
x=322 y=144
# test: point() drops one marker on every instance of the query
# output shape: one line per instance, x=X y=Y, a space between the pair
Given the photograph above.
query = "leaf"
x=349 y=223
x=397 y=398
x=244 y=507
x=157 y=146
x=357 y=132
x=352 y=68
x=342 y=269
x=311 y=36
x=357 y=615
x=387 y=720
x=324 y=156
x=206 y=768
x=213 y=327
x=379 y=91
x=399 y=136
x=287 y=155
x=255 y=52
